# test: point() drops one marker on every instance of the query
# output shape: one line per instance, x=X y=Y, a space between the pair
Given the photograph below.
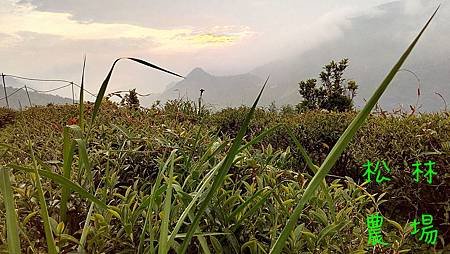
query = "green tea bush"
x=400 y=140
x=129 y=147
x=6 y=116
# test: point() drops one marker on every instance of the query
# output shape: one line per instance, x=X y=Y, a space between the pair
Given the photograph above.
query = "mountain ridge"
x=373 y=43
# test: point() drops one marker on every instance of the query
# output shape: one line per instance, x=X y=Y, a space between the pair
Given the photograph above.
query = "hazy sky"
x=49 y=38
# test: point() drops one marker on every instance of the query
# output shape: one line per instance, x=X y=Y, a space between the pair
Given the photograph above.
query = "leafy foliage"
x=131 y=99
x=6 y=116
x=332 y=94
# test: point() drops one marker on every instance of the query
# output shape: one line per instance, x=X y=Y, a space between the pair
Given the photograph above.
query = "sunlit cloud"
x=213 y=38
x=20 y=19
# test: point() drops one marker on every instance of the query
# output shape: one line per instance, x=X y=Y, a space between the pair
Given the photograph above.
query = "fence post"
x=4 y=89
x=28 y=95
x=73 y=94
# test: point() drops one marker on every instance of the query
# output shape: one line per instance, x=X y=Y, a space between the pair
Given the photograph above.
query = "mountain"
x=218 y=90
x=373 y=43
x=18 y=97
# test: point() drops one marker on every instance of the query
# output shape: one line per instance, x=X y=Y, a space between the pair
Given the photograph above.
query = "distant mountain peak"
x=198 y=72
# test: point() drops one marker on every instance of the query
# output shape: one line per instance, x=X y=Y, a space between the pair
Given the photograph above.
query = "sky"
x=48 y=39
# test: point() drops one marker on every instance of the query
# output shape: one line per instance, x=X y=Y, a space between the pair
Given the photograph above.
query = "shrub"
x=7 y=116
x=332 y=95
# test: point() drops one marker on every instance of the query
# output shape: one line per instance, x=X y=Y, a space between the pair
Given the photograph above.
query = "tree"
x=352 y=87
x=131 y=100
x=332 y=94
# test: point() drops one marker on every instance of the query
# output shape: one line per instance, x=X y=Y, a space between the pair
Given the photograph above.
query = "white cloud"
x=25 y=18
x=226 y=37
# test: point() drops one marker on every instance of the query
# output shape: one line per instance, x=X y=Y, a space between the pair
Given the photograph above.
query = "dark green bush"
x=398 y=139
x=6 y=116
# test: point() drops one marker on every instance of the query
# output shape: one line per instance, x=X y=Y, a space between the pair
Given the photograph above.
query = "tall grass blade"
x=163 y=246
x=248 y=202
x=12 y=226
x=302 y=150
x=259 y=137
x=43 y=205
x=199 y=192
x=150 y=206
x=85 y=231
x=84 y=162
x=253 y=209
x=101 y=92
x=200 y=237
x=340 y=146
x=68 y=151
x=314 y=169
x=81 y=102
x=223 y=170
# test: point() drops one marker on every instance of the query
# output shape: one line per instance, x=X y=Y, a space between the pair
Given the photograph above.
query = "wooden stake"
x=4 y=89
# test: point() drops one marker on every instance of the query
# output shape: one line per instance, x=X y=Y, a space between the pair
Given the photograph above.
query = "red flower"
x=72 y=121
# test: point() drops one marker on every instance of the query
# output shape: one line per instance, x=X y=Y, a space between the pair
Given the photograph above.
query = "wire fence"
x=67 y=83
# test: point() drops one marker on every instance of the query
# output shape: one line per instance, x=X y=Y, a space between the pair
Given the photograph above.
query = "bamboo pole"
x=28 y=95
x=4 y=88
x=73 y=94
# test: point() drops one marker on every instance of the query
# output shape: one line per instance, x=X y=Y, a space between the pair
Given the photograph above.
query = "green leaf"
x=320 y=215
x=68 y=152
x=81 y=102
x=63 y=182
x=12 y=226
x=216 y=245
x=51 y=246
x=246 y=203
x=259 y=137
x=253 y=209
x=164 y=231
x=101 y=92
x=199 y=192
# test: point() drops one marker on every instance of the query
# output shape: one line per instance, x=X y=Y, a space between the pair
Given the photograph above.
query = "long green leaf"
x=340 y=146
x=150 y=206
x=259 y=137
x=51 y=246
x=85 y=231
x=12 y=226
x=164 y=245
x=68 y=151
x=101 y=92
x=61 y=180
x=85 y=164
x=314 y=169
x=81 y=102
x=200 y=237
x=302 y=150
x=247 y=202
x=199 y=192
x=223 y=171
x=253 y=209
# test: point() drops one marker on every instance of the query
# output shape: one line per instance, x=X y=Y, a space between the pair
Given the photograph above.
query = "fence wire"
x=68 y=83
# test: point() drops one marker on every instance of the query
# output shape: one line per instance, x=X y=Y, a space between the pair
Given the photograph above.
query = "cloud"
x=223 y=37
x=26 y=19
